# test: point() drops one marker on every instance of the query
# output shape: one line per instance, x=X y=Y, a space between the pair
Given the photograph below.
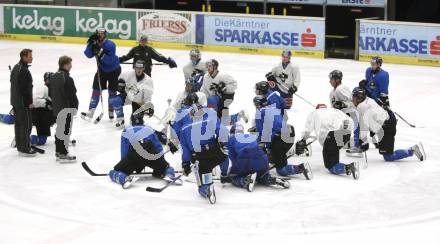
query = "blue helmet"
x=260 y=101
x=359 y=93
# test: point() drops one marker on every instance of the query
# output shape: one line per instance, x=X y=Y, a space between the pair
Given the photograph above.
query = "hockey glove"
x=149 y=112
x=172 y=63
x=173 y=148
x=186 y=166
x=48 y=104
x=224 y=178
x=339 y=105
x=270 y=77
x=364 y=145
x=292 y=90
x=121 y=86
x=362 y=83
x=92 y=39
x=162 y=137
x=300 y=147
x=385 y=102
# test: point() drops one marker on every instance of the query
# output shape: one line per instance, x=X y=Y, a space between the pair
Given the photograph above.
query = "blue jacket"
x=245 y=155
x=196 y=134
x=267 y=130
x=109 y=61
x=376 y=84
x=274 y=97
x=138 y=133
x=182 y=118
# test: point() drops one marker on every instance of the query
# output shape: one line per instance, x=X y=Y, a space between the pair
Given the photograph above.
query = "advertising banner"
x=304 y=34
x=163 y=26
x=421 y=42
x=1 y=20
x=69 y=21
x=311 y=2
x=358 y=3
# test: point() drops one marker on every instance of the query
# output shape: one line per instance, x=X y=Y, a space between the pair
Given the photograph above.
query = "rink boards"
x=396 y=42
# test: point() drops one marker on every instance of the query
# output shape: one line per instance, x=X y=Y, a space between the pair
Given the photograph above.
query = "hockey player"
x=109 y=69
x=277 y=137
x=65 y=105
x=42 y=114
x=146 y=53
x=203 y=140
x=340 y=98
x=193 y=72
x=380 y=121
x=195 y=69
x=135 y=87
x=140 y=148
x=273 y=97
x=222 y=85
x=376 y=82
x=249 y=163
x=9 y=118
x=333 y=129
x=285 y=78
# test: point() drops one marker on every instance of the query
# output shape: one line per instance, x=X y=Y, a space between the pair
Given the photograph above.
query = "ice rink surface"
x=42 y=201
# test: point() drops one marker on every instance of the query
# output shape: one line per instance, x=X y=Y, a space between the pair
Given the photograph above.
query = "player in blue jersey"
x=249 y=162
x=140 y=147
x=278 y=137
x=108 y=72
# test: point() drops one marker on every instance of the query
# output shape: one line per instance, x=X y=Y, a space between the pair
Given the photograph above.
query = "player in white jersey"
x=195 y=67
x=382 y=122
x=220 y=84
x=340 y=98
x=134 y=87
x=285 y=77
x=333 y=129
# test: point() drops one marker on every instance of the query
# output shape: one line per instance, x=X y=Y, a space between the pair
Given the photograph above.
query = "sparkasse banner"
x=68 y=21
x=302 y=34
x=414 y=43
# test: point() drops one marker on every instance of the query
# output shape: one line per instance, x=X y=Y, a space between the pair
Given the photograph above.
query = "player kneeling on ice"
x=333 y=129
x=203 y=139
x=249 y=162
x=134 y=87
x=382 y=122
x=140 y=147
x=277 y=137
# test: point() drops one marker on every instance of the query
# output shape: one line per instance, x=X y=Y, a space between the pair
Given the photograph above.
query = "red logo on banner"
x=308 y=39
x=435 y=47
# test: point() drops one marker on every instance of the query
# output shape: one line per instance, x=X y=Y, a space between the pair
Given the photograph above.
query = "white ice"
x=42 y=201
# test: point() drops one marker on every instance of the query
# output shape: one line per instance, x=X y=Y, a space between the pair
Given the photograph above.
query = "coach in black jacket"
x=146 y=53
x=21 y=101
x=65 y=106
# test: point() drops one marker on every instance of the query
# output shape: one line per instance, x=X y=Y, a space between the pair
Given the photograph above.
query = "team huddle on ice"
x=200 y=126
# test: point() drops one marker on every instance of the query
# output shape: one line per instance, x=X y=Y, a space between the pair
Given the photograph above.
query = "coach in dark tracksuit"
x=65 y=105
x=21 y=101
x=146 y=53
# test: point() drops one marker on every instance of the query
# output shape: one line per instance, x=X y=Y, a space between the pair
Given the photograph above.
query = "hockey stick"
x=92 y=173
x=366 y=160
x=151 y=64
x=158 y=190
x=101 y=115
x=302 y=98
x=404 y=120
x=38 y=150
